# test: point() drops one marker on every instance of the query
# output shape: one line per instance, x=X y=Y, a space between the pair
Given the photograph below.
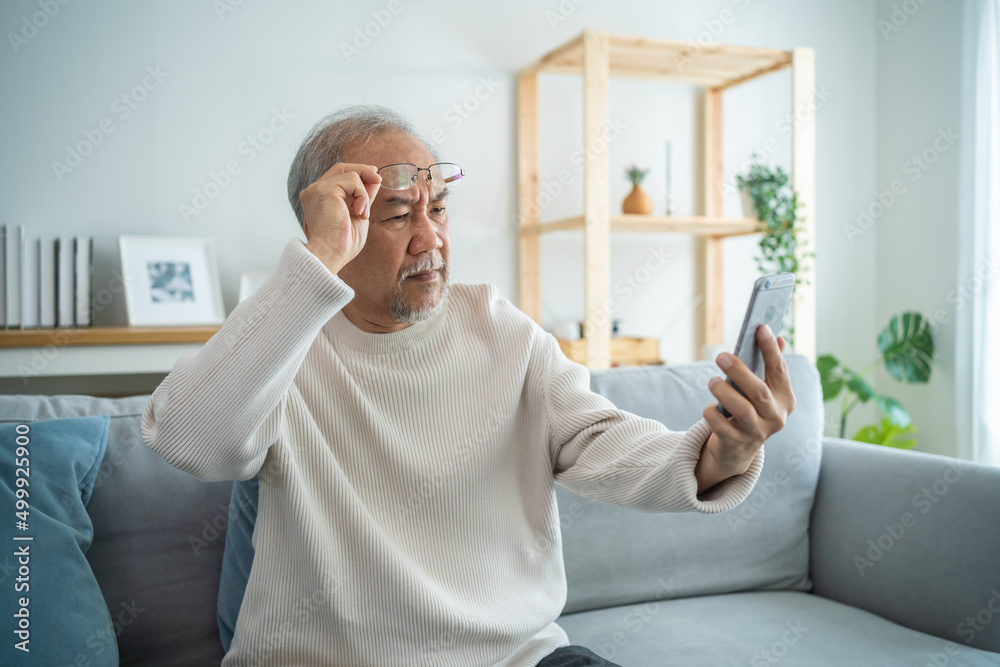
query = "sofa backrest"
x=616 y=556
x=158 y=536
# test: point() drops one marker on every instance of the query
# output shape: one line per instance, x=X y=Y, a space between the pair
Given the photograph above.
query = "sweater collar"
x=342 y=330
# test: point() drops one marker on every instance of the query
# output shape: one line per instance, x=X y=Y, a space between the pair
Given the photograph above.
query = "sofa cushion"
x=617 y=556
x=158 y=536
x=760 y=629
x=237 y=560
x=53 y=612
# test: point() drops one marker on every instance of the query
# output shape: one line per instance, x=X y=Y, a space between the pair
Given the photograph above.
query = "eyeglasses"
x=403 y=176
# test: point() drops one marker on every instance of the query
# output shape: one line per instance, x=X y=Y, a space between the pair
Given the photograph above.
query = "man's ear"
x=305 y=229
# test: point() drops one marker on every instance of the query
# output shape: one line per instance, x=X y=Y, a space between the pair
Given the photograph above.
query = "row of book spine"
x=46 y=281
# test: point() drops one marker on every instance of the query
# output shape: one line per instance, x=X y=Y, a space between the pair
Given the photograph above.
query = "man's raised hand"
x=756 y=416
x=336 y=209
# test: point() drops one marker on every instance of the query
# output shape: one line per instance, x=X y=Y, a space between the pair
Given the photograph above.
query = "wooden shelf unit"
x=104 y=336
x=597 y=56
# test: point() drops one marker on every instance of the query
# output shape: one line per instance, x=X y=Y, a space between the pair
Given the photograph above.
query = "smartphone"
x=768 y=303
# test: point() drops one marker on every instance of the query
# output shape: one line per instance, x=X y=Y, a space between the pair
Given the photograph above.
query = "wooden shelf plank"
x=698 y=225
x=710 y=65
x=105 y=336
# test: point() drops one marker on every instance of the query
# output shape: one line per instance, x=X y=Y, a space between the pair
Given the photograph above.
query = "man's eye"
x=438 y=210
x=398 y=218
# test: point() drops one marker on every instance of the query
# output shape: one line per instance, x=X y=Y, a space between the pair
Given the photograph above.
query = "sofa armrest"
x=912 y=537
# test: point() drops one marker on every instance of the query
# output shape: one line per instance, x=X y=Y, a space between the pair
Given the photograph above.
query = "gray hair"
x=326 y=142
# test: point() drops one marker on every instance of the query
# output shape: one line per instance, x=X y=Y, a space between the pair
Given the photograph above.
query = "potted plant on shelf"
x=907 y=346
x=638 y=200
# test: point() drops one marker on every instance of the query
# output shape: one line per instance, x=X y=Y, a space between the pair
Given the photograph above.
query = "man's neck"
x=369 y=325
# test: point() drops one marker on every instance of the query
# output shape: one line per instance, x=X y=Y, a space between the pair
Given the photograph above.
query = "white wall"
x=916 y=260
x=226 y=75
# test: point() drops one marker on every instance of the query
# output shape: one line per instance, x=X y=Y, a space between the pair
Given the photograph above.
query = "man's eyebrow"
x=398 y=199
x=404 y=199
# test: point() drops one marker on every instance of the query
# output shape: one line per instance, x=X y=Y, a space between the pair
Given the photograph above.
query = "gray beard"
x=403 y=312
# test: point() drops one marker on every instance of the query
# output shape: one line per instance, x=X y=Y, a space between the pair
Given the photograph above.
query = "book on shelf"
x=3 y=276
x=47 y=284
x=84 y=246
x=29 y=282
x=13 y=276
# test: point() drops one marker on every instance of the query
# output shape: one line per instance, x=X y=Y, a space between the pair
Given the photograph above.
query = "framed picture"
x=250 y=281
x=170 y=281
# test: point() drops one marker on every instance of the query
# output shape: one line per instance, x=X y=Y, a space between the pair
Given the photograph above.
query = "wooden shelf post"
x=804 y=182
x=596 y=207
x=529 y=286
x=713 y=307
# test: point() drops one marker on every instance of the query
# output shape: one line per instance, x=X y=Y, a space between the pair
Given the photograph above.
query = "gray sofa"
x=844 y=554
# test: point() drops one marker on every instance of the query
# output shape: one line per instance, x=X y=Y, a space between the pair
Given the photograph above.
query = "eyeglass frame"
x=461 y=172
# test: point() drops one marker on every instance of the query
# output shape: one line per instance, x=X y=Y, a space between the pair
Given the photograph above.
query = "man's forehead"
x=390 y=148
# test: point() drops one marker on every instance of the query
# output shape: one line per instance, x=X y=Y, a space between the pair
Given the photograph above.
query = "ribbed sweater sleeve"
x=219 y=409
x=617 y=457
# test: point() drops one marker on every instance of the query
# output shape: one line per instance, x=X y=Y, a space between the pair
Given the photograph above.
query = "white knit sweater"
x=407 y=513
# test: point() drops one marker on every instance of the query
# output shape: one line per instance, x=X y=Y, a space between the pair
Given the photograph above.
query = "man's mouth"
x=425 y=276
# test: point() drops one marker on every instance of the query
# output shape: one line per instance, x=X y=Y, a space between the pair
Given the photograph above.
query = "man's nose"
x=426 y=232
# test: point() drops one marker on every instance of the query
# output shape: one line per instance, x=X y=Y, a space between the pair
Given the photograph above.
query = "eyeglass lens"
x=403 y=176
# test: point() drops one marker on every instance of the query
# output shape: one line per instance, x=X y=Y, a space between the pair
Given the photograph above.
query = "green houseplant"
x=907 y=353
x=775 y=204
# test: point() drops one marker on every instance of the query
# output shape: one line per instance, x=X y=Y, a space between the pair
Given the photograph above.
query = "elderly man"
x=407 y=434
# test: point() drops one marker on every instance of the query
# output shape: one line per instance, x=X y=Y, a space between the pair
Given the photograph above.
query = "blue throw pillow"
x=52 y=608
x=237 y=559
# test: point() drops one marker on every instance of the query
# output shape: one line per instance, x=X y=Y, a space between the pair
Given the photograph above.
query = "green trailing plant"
x=776 y=204
x=635 y=175
x=907 y=353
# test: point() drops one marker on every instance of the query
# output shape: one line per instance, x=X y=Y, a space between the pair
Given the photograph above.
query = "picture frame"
x=171 y=281
x=250 y=281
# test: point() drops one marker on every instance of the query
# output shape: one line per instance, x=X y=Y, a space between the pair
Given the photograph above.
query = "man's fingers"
x=747 y=413
x=775 y=368
x=720 y=425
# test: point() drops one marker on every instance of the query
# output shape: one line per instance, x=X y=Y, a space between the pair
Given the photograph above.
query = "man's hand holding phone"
x=756 y=416
x=336 y=209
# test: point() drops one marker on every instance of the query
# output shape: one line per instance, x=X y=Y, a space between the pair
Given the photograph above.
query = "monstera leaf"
x=887 y=434
x=893 y=410
x=829 y=376
x=857 y=384
x=907 y=346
